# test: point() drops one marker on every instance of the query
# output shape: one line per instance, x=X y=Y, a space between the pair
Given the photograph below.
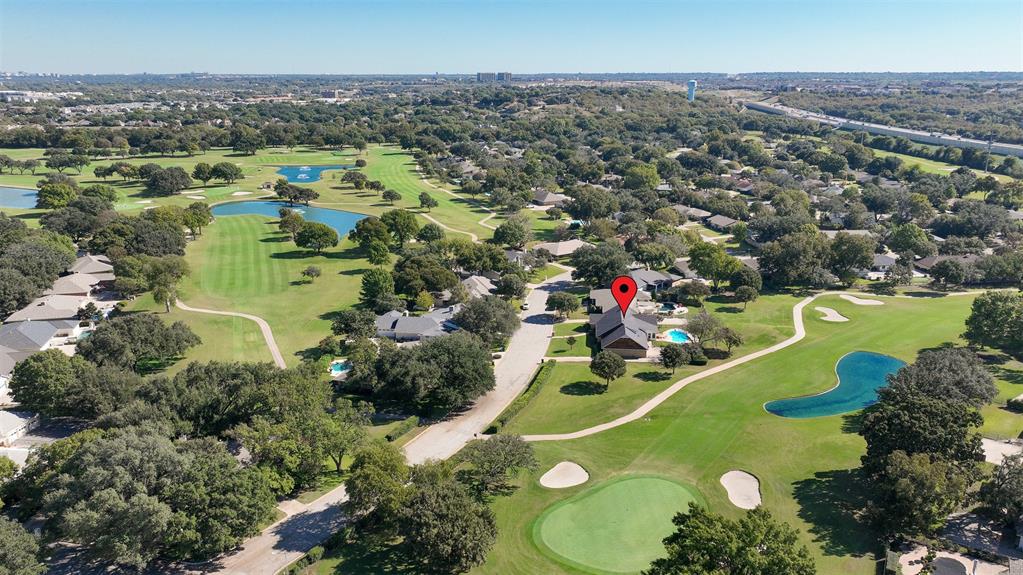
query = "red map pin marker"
x=624 y=289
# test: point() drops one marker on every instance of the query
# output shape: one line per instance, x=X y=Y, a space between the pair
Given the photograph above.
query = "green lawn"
x=999 y=421
x=936 y=167
x=243 y=264
x=807 y=467
x=614 y=527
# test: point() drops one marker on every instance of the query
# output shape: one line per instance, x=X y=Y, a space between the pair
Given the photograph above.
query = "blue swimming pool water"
x=339 y=366
x=860 y=375
x=20 y=198
x=340 y=220
x=308 y=174
x=678 y=336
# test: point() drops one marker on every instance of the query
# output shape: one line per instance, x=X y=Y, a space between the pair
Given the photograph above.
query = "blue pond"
x=21 y=198
x=860 y=375
x=341 y=221
x=307 y=174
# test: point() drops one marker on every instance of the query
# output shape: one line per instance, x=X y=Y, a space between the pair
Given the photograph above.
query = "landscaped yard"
x=806 y=467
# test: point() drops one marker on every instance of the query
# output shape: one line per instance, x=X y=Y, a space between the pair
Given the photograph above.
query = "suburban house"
x=562 y=249
x=399 y=326
x=883 y=263
x=690 y=213
x=628 y=336
x=652 y=280
x=543 y=197
x=681 y=265
x=14 y=424
x=925 y=264
x=720 y=223
x=97 y=266
x=600 y=300
x=519 y=257
x=478 y=286
x=834 y=233
x=80 y=285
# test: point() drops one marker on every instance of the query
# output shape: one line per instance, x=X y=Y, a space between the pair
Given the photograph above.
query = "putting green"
x=615 y=527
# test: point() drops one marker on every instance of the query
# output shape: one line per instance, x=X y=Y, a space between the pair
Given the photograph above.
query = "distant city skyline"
x=518 y=36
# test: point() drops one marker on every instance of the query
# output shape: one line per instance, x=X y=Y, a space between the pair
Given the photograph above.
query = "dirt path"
x=264 y=327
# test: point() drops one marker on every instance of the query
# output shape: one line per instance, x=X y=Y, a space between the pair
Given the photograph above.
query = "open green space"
x=936 y=167
x=807 y=468
x=243 y=264
x=615 y=527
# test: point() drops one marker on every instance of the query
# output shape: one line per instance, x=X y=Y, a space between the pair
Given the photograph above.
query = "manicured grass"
x=614 y=527
x=583 y=346
x=243 y=264
x=999 y=421
x=567 y=328
x=936 y=167
x=807 y=468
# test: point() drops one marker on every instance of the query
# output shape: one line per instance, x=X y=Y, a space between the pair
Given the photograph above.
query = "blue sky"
x=425 y=36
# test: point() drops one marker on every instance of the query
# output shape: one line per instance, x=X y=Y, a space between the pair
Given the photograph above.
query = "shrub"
x=402 y=428
x=541 y=377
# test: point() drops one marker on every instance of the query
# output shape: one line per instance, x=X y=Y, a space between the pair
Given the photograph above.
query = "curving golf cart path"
x=641 y=411
x=482 y=222
x=264 y=327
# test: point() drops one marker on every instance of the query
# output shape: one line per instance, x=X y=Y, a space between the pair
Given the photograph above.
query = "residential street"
x=307 y=525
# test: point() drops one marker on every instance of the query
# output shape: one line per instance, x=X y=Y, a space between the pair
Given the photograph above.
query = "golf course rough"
x=614 y=527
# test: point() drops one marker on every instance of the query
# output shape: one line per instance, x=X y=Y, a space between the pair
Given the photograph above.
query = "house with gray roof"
x=478 y=286
x=600 y=300
x=628 y=336
x=74 y=284
x=402 y=327
x=690 y=213
x=562 y=249
x=653 y=280
x=49 y=307
x=95 y=265
x=720 y=223
x=544 y=197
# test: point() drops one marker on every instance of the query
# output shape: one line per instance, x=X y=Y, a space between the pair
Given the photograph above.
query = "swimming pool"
x=340 y=220
x=340 y=366
x=860 y=375
x=678 y=336
x=308 y=174
x=18 y=198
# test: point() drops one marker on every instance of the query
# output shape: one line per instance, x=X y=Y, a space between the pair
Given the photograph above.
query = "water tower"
x=692 y=90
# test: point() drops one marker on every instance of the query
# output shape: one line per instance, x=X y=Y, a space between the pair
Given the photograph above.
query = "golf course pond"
x=18 y=198
x=308 y=174
x=614 y=527
x=340 y=220
x=860 y=375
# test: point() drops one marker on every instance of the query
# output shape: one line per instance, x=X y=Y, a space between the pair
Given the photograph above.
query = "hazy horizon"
x=417 y=37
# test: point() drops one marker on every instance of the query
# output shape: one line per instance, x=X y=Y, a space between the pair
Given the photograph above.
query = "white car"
x=525 y=305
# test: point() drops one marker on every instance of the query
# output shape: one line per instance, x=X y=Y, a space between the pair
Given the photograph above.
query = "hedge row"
x=402 y=428
x=541 y=377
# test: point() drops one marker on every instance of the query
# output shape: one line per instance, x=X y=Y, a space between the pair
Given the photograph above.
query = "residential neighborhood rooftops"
x=629 y=336
x=396 y=325
x=74 y=284
x=721 y=222
x=833 y=233
x=26 y=335
x=603 y=300
x=565 y=248
x=690 y=212
x=478 y=286
x=91 y=264
x=929 y=262
x=48 y=307
x=546 y=197
x=652 y=280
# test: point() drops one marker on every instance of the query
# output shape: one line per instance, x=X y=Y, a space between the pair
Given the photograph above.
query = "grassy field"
x=615 y=527
x=807 y=468
x=242 y=263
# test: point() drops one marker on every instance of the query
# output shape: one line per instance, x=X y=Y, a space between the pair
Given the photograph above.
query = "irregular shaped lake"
x=20 y=198
x=860 y=375
x=307 y=174
x=340 y=220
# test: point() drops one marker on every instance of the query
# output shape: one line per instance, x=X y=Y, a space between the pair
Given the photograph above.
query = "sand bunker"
x=196 y=197
x=242 y=194
x=145 y=201
x=859 y=300
x=830 y=314
x=564 y=474
x=743 y=489
x=995 y=451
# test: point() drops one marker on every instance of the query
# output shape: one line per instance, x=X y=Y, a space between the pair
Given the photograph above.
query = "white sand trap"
x=830 y=314
x=995 y=451
x=564 y=474
x=242 y=194
x=859 y=300
x=196 y=197
x=145 y=201
x=743 y=489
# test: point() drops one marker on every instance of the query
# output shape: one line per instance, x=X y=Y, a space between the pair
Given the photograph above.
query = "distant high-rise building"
x=486 y=77
x=692 y=90
x=504 y=77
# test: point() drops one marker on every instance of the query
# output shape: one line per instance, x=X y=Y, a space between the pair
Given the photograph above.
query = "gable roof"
x=478 y=286
x=544 y=196
x=73 y=284
x=690 y=212
x=9 y=358
x=26 y=335
x=612 y=327
x=720 y=221
x=90 y=264
x=565 y=248
x=603 y=299
x=930 y=261
x=645 y=278
x=49 y=307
